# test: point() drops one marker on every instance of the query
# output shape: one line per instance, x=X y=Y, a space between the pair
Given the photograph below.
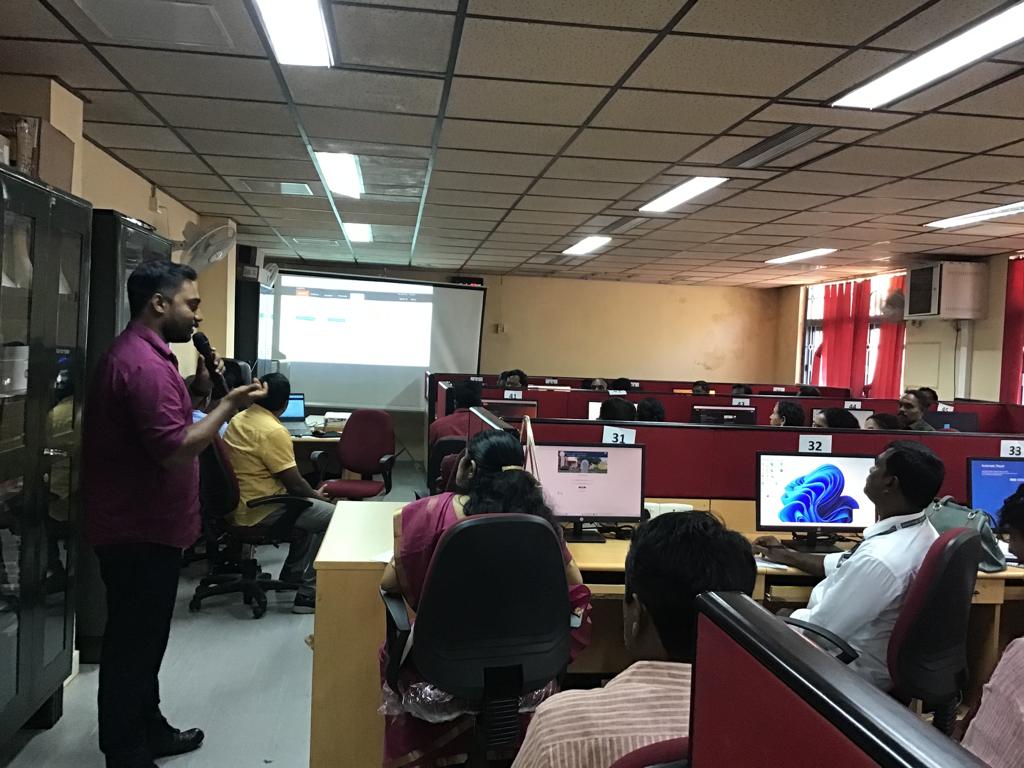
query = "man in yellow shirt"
x=263 y=459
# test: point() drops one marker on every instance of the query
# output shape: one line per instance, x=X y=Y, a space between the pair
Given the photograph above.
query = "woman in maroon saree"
x=494 y=480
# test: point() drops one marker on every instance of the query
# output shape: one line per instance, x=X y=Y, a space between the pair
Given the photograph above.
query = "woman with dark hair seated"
x=835 y=418
x=491 y=479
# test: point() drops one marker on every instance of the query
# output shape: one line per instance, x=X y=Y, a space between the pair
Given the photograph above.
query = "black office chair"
x=488 y=641
x=445 y=446
x=237 y=372
x=230 y=549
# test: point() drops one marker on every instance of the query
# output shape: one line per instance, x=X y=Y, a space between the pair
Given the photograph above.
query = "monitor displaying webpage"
x=797 y=492
x=591 y=482
x=992 y=482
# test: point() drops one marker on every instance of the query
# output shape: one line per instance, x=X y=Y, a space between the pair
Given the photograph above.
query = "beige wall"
x=988 y=334
x=790 y=335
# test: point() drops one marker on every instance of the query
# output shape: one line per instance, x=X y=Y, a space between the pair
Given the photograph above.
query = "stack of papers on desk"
x=762 y=563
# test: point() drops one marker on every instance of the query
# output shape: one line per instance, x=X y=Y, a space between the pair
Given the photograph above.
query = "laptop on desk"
x=294 y=416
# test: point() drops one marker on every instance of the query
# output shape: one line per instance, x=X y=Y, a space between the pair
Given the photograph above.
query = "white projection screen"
x=354 y=342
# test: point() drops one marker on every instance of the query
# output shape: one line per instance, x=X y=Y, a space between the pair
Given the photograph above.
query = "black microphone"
x=220 y=387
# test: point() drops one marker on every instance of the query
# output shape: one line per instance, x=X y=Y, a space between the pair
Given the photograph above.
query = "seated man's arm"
x=296 y=484
x=772 y=549
x=864 y=588
x=278 y=456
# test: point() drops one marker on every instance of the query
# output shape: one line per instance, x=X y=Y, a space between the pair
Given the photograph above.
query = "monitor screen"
x=955 y=420
x=511 y=409
x=991 y=481
x=296 y=409
x=717 y=414
x=862 y=416
x=594 y=410
x=592 y=482
x=802 y=492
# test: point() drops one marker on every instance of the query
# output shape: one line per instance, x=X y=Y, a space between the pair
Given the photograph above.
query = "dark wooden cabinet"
x=44 y=265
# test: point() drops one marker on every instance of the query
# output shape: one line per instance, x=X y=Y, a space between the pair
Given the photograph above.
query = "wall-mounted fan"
x=893 y=307
x=202 y=249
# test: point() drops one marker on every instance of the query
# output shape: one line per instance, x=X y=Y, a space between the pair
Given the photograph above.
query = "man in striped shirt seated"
x=672 y=559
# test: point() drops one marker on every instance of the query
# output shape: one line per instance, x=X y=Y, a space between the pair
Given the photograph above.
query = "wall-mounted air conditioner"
x=948 y=290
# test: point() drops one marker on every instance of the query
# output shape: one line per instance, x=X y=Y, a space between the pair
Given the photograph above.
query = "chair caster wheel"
x=258 y=610
x=194 y=605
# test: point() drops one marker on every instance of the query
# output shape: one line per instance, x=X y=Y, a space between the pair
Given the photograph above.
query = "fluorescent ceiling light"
x=587 y=244
x=341 y=170
x=972 y=218
x=977 y=42
x=297 y=31
x=358 y=233
x=679 y=195
x=801 y=256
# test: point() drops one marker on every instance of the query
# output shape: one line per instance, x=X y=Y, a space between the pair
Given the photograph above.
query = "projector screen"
x=353 y=342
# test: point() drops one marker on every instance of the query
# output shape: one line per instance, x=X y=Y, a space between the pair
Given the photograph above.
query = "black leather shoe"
x=175 y=742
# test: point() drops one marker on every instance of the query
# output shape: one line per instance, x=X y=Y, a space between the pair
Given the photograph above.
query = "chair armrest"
x=299 y=502
x=847 y=653
x=387 y=463
x=396 y=636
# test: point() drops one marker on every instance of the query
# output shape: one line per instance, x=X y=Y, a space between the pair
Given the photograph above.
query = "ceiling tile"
x=660 y=111
x=981 y=168
x=70 y=62
x=934 y=23
x=716 y=65
x=523 y=51
x=161 y=161
x=351 y=89
x=394 y=39
x=928 y=189
x=115 y=135
x=256 y=168
x=634 y=145
x=841 y=118
x=724 y=213
x=823 y=183
x=579 y=188
x=225 y=114
x=563 y=204
x=650 y=14
x=188 y=180
x=245 y=144
x=956 y=133
x=190 y=196
x=524 y=102
x=195 y=74
x=853 y=70
x=781 y=200
x=489 y=162
x=722 y=149
x=483 y=199
x=504 y=137
x=900 y=162
x=28 y=18
x=871 y=205
x=116 y=107
x=330 y=123
x=604 y=170
x=947 y=89
x=479 y=182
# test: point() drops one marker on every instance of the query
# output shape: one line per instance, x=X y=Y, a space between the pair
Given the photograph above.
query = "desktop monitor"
x=718 y=414
x=296 y=408
x=862 y=416
x=591 y=483
x=511 y=409
x=594 y=410
x=809 y=494
x=991 y=481
x=960 y=421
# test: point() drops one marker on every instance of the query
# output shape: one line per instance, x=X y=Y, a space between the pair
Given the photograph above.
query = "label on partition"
x=815 y=444
x=619 y=436
x=635 y=384
x=1011 y=449
x=476 y=378
x=550 y=381
x=742 y=401
x=945 y=408
x=778 y=389
x=513 y=394
x=852 y=405
x=617 y=393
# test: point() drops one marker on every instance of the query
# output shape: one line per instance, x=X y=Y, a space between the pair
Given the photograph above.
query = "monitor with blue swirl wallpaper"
x=800 y=492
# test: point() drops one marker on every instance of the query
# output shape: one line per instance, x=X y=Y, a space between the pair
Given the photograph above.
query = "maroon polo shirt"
x=137 y=412
x=455 y=424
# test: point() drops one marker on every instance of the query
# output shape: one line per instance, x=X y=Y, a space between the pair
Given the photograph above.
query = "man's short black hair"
x=620 y=384
x=918 y=469
x=617 y=409
x=840 y=418
x=466 y=393
x=676 y=556
x=808 y=391
x=792 y=412
x=700 y=387
x=153 y=277
x=524 y=381
x=1012 y=513
x=885 y=420
x=278 y=390
x=930 y=395
x=742 y=389
x=650 y=409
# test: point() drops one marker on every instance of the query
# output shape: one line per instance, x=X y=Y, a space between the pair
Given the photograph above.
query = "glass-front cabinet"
x=44 y=268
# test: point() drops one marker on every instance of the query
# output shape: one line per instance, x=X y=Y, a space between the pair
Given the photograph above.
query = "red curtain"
x=888 y=378
x=845 y=335
x=1013 y=334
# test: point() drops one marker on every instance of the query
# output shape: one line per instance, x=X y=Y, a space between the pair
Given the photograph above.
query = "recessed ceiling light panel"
x=587 y=244
x=679 y=195
x=801 y=256
x=1012 y=209
x=342 y=173
x=297 y=31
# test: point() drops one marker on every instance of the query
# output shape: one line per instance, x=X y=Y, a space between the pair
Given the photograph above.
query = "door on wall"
x=44 y=266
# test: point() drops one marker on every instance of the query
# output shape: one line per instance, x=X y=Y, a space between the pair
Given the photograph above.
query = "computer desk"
x=349 y=624
x=304 y=447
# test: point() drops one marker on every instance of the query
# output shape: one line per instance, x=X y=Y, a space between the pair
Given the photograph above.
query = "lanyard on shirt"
x=892 y=529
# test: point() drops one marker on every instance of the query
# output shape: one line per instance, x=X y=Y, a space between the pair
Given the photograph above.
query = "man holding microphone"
x=140 y=485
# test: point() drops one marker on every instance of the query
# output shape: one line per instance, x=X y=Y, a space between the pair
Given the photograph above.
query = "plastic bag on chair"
x=427 y=702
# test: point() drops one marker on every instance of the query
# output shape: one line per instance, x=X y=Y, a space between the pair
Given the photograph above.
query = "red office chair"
x=927 y=655
x=663 y=754
x=366 y=447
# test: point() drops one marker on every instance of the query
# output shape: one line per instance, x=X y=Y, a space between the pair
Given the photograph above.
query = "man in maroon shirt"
x=466 y=395
x=140 y=485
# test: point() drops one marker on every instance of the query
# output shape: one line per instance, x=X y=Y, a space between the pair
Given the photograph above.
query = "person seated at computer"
x=787 y=413
x=887 y=421
x=740 y=390
x=672 y=559
x=995 y=733
x=863 y=588
x=491 y=480
x=261 y=454
x=808 y=391
x=912 y=410
x=200 y=390
x=514 y=379
x=835 y=418
x=598 y=385
x=701 y=387
x=465 y=395
x=650 y=409
x=617 y=409
x=620 y=384
x=929 y=397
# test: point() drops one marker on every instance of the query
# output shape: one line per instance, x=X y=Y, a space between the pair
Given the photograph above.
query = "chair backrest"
x=671 y=753
x=495 y=606
x=237 y=371
x=218 y=486
x=927 y=654
x=368 y=436
x=445 y=446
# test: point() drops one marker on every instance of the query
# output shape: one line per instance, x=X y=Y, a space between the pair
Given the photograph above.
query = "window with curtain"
x=849 y=341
